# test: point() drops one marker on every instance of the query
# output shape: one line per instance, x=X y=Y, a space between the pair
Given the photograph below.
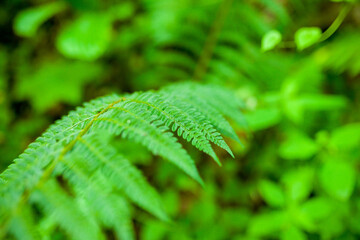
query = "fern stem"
x=211 y=40
x=329 y=31
x=50 y=168
x=48 y=171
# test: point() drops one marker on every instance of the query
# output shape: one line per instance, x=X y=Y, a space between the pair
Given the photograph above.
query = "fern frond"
x=22 y=225
x=184 y=120
x=144 y=128
x=341 y=54
x=82 y=184
x=66 y=211
x=112 y=210
x=193 y=49
x=120 y=171
x=26 y=171
x=212 y=101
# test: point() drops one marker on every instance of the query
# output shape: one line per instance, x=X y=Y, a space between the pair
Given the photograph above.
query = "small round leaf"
x=270 y=40
x=307 y=36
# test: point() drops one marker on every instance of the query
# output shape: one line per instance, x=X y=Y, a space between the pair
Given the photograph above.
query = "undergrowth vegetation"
x=267 y=90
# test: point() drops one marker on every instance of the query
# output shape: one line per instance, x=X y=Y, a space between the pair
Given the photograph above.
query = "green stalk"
x=337 y=22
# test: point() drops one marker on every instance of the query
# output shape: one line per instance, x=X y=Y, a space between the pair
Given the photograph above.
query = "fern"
x=341 y=54
x=82 y=184
x=214 y=42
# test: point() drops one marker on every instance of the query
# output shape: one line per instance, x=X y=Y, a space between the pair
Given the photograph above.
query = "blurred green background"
x=295 y=178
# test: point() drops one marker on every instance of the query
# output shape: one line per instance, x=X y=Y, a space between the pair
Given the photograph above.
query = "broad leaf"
x=85 y=38
x=338 y=178
x=272 y=193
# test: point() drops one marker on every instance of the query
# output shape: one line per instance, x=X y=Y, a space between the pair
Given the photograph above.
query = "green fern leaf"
x=190 y=93
x=186 y=122
x=22 y=225
x=144 y=129
x=127 y=178
x=112 y=210
x=81 y=183
x=65 y=211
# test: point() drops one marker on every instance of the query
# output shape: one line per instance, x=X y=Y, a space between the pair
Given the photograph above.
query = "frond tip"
x=73 y=168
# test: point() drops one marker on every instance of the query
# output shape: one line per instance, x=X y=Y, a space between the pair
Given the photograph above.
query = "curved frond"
x=81 y=183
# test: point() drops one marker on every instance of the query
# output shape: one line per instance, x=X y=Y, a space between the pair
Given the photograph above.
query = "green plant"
x=82 y=183
x=294 y=63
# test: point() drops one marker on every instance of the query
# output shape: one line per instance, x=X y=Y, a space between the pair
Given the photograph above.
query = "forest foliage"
x=267 y=89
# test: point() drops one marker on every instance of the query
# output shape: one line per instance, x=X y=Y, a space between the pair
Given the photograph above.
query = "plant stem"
x=337 y=22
